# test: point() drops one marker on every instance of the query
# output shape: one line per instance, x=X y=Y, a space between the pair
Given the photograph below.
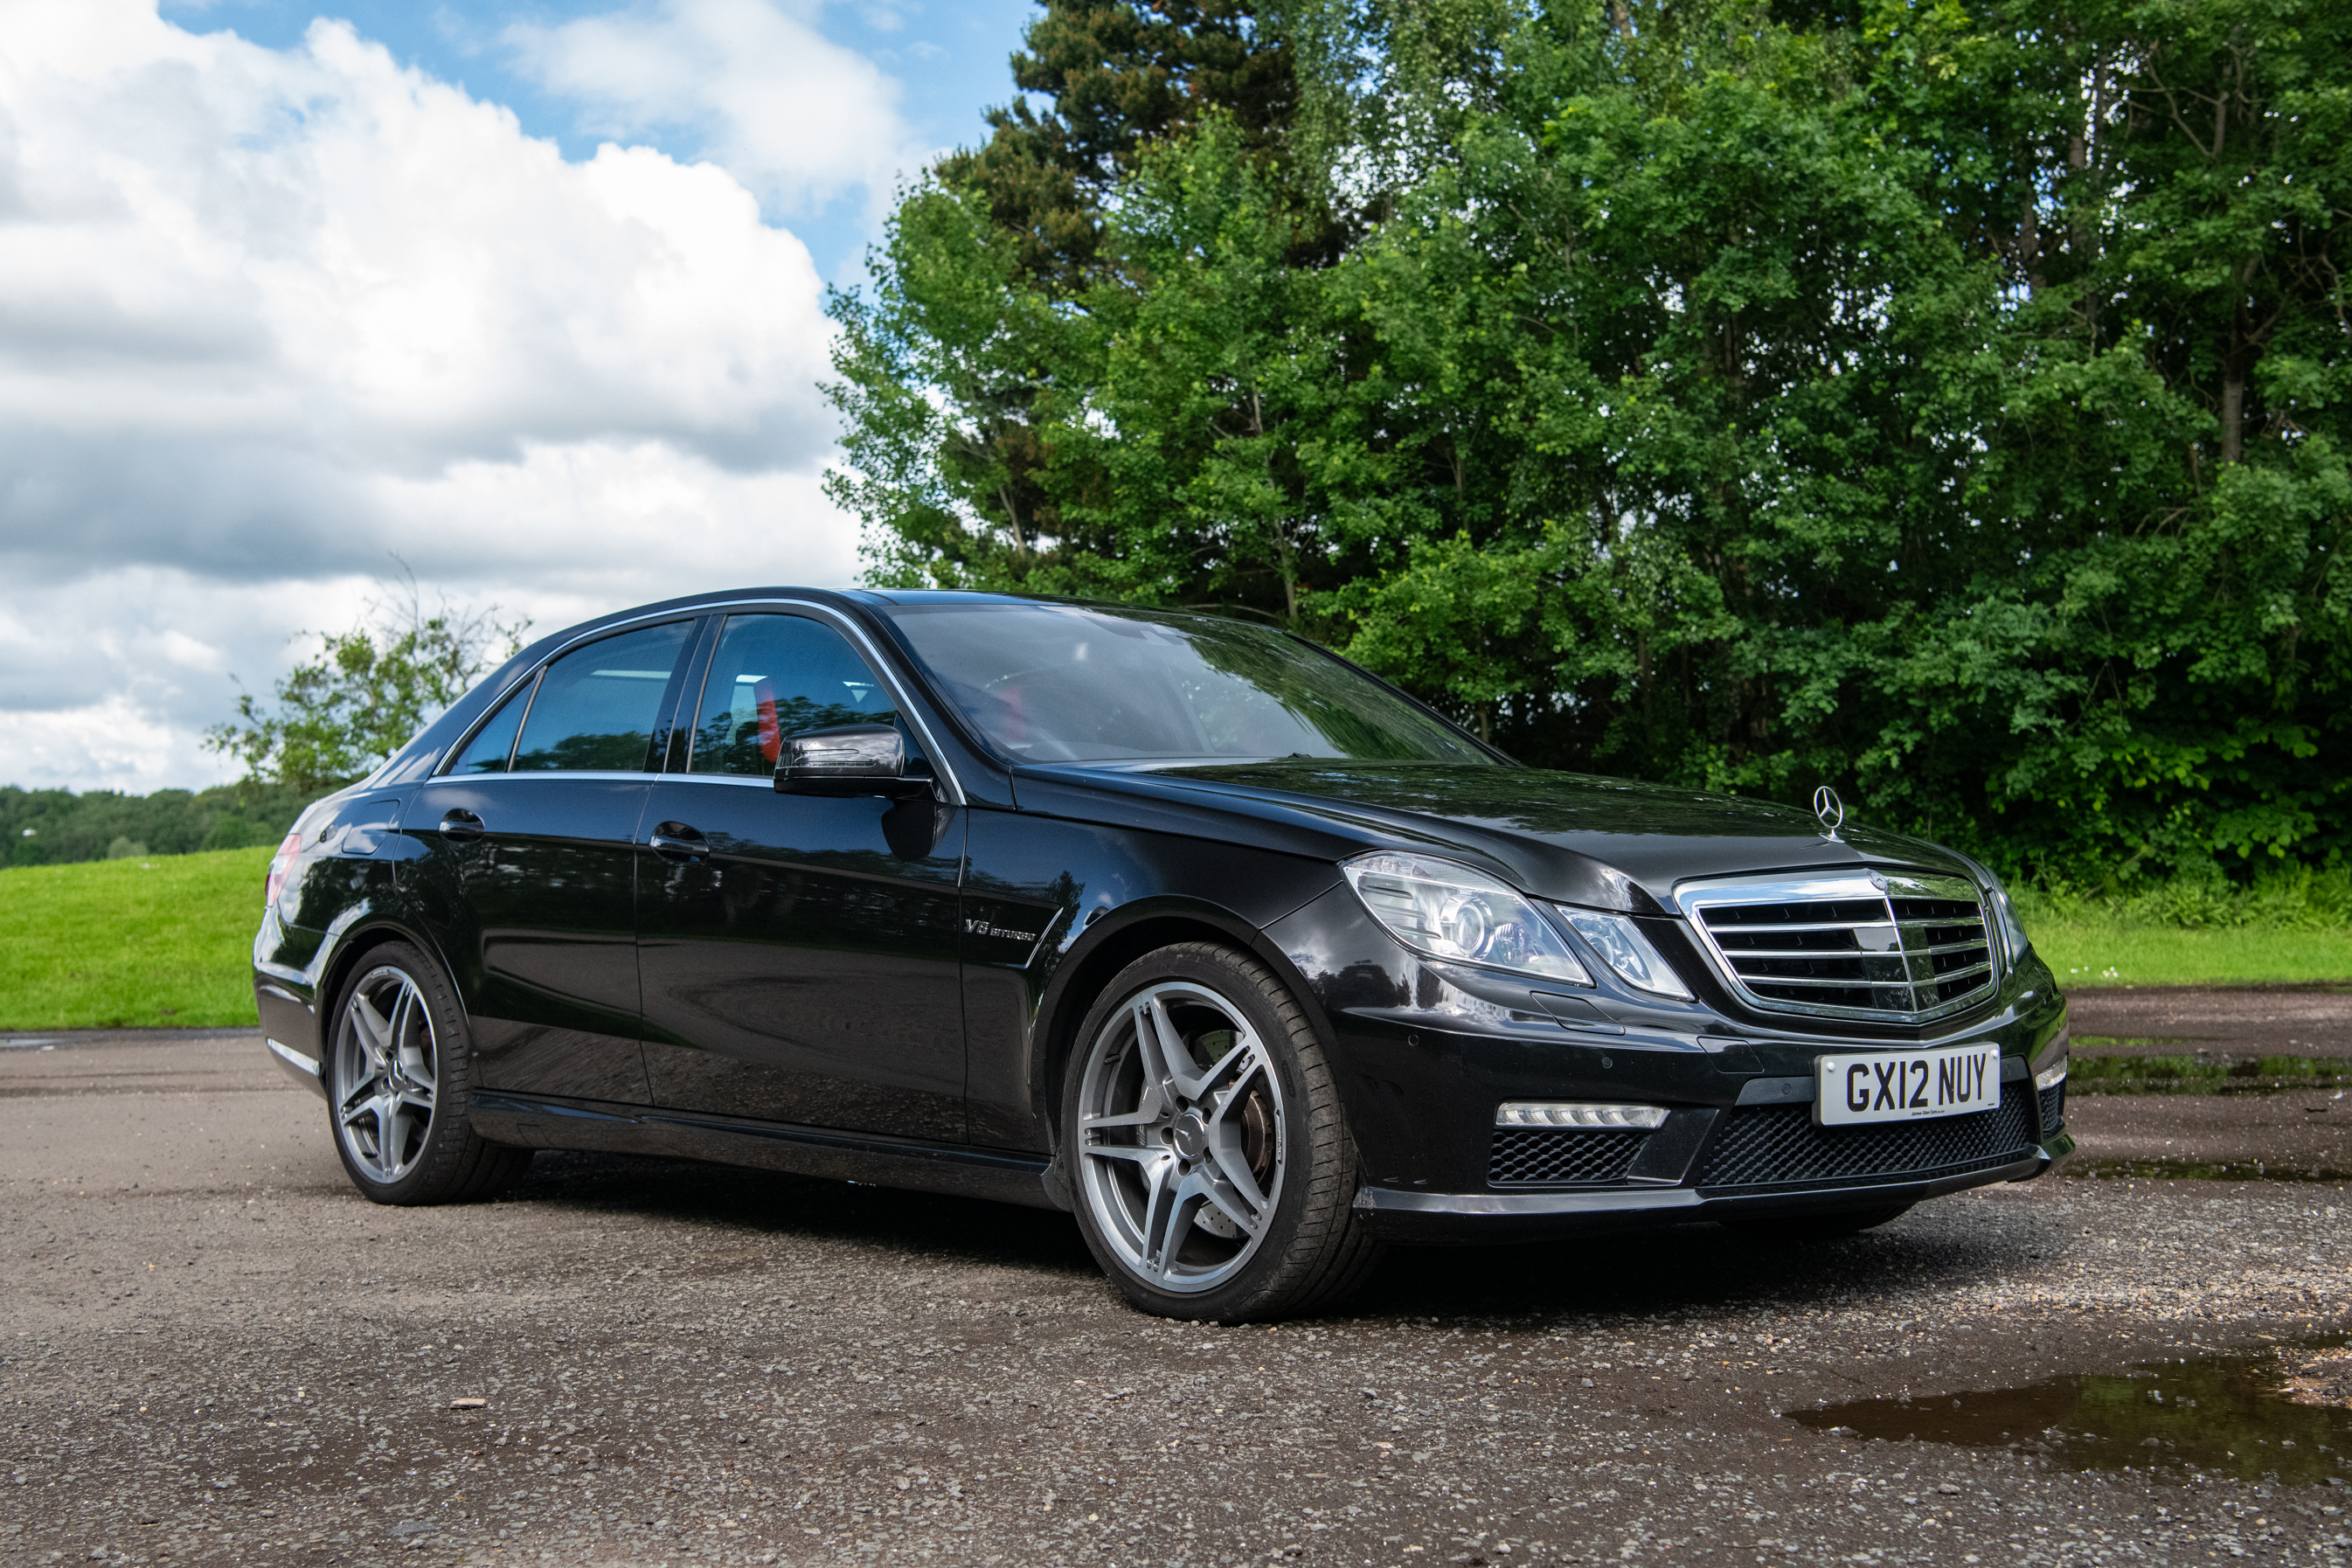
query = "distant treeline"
x=51 y=827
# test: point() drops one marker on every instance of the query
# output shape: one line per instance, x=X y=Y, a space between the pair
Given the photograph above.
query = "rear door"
x=799 y=953
x=531 y=853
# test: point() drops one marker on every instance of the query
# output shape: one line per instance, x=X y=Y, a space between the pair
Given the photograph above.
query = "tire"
x=1221 y=1186
x=398 y=1073
x=1826 y=1226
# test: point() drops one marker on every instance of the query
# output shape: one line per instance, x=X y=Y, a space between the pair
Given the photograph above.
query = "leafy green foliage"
x=1945 y=400
x=1119 y=75
x=364 y=694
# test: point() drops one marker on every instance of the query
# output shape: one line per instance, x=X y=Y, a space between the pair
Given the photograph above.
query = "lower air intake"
x=1776 y=1145
x=1549 y=1158
x=2054 y=1108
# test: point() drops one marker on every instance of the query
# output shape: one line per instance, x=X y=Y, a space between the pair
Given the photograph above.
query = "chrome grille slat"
x=1828 y=925
x=1741 y=954
x=1896 y=947
x=1846 y=984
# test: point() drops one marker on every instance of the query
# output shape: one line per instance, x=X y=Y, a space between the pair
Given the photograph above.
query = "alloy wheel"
x=387 y=1075
x=1180 y=1137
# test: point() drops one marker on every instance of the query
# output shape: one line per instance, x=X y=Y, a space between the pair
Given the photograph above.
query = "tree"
x=977 y=350
x=1119 y=76
x=1943 y=400
x=366 y=692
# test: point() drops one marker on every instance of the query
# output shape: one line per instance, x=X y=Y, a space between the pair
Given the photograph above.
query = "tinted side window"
x=775 y=675
x=486 y=752
x=597 y=706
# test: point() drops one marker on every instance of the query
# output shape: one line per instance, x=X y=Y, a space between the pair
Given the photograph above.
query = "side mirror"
x=848 y=760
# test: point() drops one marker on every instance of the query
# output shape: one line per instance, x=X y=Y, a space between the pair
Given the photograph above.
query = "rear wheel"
x=398 y=1072
x=1215 y=1173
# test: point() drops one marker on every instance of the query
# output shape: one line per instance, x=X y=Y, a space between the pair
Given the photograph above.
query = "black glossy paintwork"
x=541 y=917
x=928 y=1167
x=1044 y=892
x=1605 y=843
x=889 y=990
x=804 y=969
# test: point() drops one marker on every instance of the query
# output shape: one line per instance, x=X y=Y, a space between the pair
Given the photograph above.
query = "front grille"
x=1772 y=1145
x=2054 y=1108
x=1546 y=1157
x=1898 y=947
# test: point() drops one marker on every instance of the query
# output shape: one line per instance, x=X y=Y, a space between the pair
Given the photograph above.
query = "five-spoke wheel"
x=399 y=1072
x=1214 y=1171
x=387 y=1074
x=1179 y=1134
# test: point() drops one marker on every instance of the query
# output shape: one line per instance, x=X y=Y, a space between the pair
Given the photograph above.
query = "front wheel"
x=398 y=1077
x=1216 y=1175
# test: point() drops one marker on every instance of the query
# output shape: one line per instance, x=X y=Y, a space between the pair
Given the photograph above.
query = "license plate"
x=1907 y=1086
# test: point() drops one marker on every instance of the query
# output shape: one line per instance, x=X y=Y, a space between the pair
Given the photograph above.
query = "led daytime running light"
x=1550 y=1113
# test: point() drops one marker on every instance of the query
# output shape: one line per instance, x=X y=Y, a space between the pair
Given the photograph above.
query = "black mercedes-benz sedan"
x=1184 y=925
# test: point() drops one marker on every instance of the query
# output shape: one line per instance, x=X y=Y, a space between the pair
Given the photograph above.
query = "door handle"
x=676 y=841
x=461 y=824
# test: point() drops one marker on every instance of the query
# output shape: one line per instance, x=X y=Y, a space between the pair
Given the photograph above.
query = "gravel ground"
x=215 y=1351
x=2297 y=1131
x=2312 y=1020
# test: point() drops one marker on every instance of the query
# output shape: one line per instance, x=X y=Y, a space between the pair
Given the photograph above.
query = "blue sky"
x=526 y=298
x=948 y=56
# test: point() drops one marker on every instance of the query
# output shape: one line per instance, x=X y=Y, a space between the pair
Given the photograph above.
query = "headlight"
x=1623 y=948
x=2004 y=914
x=1451 y=911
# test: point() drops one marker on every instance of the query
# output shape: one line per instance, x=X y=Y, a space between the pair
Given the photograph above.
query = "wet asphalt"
x=215 y=1351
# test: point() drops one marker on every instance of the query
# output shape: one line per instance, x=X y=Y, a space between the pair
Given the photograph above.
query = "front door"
x=798 y=953
x=530 y=841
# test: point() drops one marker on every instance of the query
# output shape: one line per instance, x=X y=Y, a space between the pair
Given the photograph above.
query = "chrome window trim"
x=608 y=775
x=1879 y=888
x=441 y=769
x=457 y=747
x=941 y=769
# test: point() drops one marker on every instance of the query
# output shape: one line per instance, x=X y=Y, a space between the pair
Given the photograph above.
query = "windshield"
x=1059 y=683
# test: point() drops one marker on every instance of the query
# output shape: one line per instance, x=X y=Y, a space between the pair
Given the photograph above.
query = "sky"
x=525 y=299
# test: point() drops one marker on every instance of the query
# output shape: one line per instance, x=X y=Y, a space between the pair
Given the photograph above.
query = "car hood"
x=1577 y=838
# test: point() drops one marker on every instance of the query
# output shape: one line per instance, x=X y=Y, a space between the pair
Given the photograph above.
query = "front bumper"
x=1425 y=1053
x=1502 y=1217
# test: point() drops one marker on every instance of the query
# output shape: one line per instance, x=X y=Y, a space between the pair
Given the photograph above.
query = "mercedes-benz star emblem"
x=1830 y=809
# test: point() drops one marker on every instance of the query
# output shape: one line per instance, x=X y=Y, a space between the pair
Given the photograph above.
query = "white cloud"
x=797 y=117
x=269 y=317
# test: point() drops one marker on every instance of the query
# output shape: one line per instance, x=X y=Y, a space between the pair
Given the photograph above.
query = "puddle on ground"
x=2215 y=1415
x=2203 y=1171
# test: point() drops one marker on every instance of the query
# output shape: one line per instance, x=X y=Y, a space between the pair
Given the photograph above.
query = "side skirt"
x=541 y=1123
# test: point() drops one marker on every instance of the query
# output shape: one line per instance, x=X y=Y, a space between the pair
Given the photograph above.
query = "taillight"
x=281 y=865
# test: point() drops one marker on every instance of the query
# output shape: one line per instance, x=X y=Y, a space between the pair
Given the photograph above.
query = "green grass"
x=2093 y=1073
x=2128 y=952
x=166 y=940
